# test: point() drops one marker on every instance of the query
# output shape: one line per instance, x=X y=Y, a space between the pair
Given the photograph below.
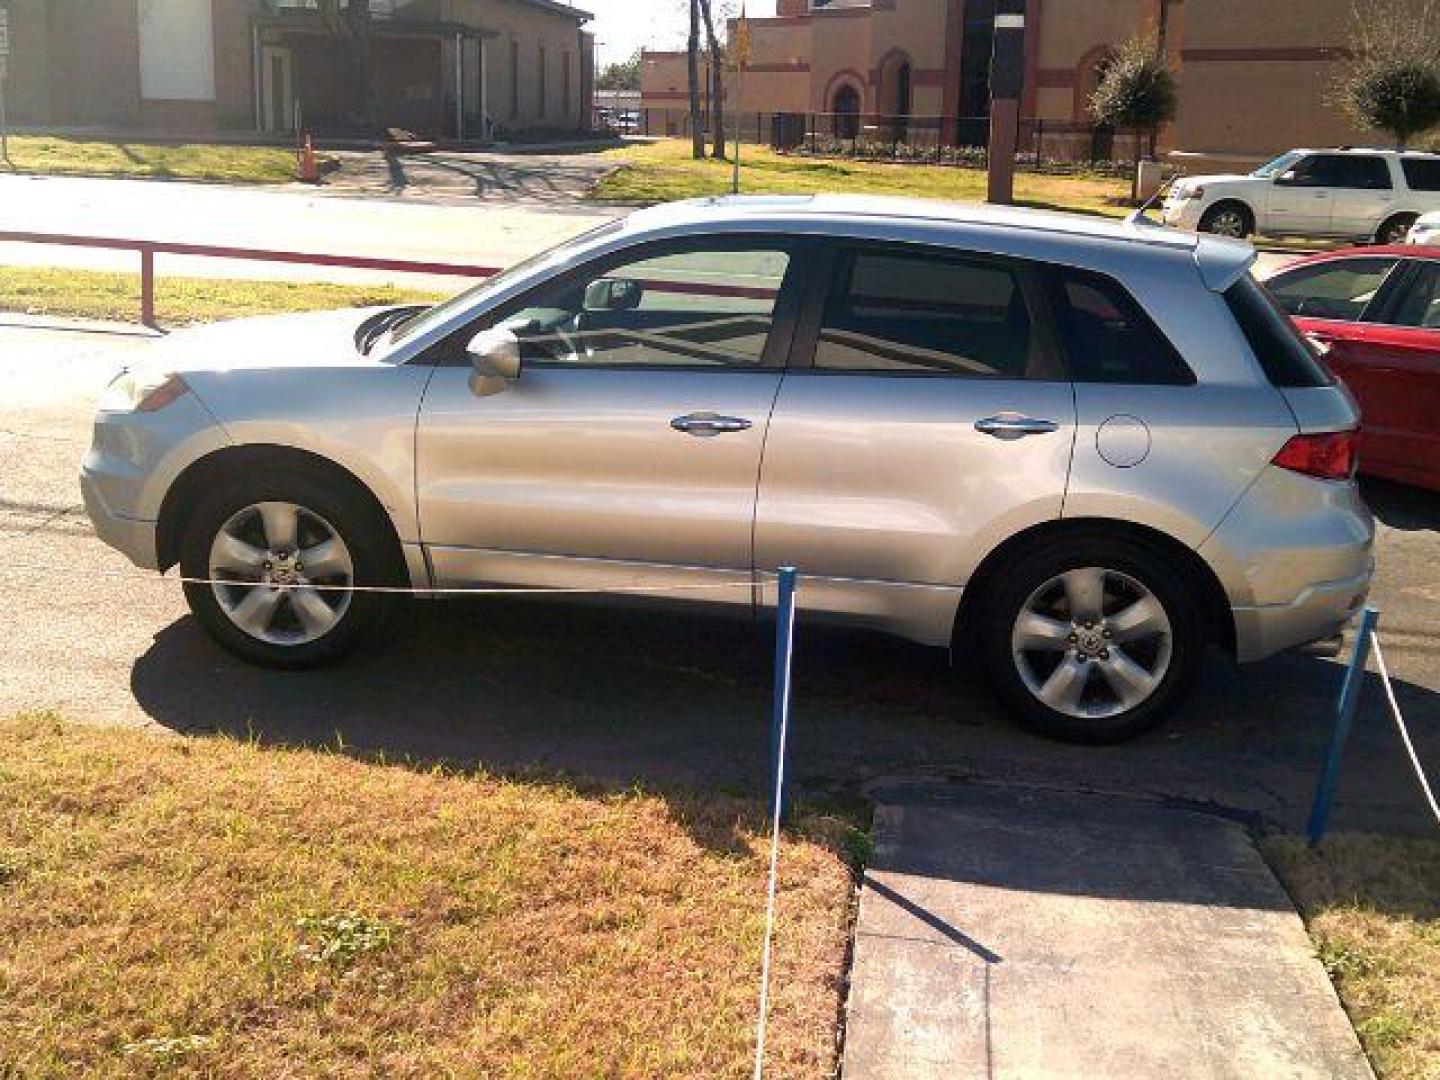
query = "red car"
x=1375 y=313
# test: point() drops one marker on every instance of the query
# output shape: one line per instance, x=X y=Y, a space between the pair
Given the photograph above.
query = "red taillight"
x=1330 y=456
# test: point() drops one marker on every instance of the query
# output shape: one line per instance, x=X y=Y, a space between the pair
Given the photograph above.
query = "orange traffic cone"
x=309 y=169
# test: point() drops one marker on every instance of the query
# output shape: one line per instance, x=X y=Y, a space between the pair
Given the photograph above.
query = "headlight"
x=142 y=391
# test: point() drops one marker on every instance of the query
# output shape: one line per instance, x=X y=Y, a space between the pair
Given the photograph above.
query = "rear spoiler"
x=1222 y=261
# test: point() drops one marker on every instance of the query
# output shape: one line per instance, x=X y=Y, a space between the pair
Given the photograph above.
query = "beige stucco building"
x=441 y=68
x=1255 y=75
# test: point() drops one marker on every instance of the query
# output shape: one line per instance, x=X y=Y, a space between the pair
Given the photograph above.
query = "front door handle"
x=1010 y=426
x=706 y=424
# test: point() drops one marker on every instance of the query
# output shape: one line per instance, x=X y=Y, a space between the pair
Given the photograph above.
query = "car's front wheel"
x=272 y=564
x=1092 y=640
x=1230 y=219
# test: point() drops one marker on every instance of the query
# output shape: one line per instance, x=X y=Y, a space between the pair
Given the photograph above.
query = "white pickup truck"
x=1351 y=194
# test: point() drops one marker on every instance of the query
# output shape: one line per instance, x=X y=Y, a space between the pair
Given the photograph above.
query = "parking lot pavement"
x=638 y=695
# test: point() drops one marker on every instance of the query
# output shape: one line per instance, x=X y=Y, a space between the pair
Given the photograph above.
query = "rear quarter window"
x=1107 y=335
x=1422 y=174
x=1285 y=356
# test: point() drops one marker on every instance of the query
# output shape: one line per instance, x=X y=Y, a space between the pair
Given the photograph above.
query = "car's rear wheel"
x=272 y=564
x=1091 y=639
x=1396 y=230
x=1231 y=219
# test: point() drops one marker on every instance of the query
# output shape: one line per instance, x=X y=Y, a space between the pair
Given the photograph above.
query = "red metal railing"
x=148 y=249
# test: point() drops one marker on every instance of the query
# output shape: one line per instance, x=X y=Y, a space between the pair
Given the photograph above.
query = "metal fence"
x=1041 y=144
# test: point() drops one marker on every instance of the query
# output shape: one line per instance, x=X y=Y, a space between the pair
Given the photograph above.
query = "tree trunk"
x=692 y=57
x=717 y=80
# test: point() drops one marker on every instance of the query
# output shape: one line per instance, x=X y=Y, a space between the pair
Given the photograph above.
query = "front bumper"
x=1181 y=214
x=132 y=537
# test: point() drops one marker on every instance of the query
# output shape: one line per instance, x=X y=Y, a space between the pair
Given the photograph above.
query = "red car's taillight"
x=1330 y=456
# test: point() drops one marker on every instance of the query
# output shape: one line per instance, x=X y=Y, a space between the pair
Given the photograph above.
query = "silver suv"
x=1077 y=451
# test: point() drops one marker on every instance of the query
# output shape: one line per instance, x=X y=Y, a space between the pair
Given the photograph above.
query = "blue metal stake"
x=780 y=722
x=1344 y=719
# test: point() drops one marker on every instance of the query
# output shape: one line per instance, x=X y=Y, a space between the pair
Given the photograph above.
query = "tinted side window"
x=1421 y=304
x=902 y=313
x=1107 y=336
x=1339 y=290
x=1422 y=174
x=1317 y=170
x=708 y=307
x=1288 y=361
x=1367 y=173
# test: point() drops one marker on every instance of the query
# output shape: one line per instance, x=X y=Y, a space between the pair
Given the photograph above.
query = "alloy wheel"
x=1092 y=643
x=1228 y=223
x=265 y=563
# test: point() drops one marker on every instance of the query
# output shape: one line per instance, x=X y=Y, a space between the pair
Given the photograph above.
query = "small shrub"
x=1393 y=84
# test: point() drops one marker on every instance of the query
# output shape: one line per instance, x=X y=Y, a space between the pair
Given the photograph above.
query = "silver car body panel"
x=879 y=488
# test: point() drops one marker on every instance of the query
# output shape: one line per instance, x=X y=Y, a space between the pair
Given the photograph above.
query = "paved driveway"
x=636 y=695
x=449 y=176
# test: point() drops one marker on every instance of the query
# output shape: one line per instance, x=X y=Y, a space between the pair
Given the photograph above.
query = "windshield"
x=437 y=315
x=1278 y=166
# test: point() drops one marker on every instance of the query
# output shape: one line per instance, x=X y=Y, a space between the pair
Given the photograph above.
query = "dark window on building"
x=565 y=102
x=1422 y=174
x=977 y=45
x=921 y=314
x=1279 y=347
x=845 y=110
x=1107 y=335
x=540 y=86
x=514 y=79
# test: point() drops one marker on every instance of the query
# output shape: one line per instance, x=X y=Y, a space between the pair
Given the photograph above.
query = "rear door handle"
x=707 y=424
x=1011 y=426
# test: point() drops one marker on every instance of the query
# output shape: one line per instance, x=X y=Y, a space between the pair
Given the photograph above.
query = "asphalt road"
x=645 y=697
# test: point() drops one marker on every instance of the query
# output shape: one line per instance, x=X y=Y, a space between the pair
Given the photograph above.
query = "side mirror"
x=1286 y=179
x=613 y=294
x=495 y=356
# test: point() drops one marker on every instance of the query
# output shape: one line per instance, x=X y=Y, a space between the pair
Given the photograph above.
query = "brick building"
x=467 y=68
x=1255 y=75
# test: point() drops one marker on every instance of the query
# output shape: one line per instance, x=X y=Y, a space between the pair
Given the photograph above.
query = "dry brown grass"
x=211 y=907
x=1372 y=905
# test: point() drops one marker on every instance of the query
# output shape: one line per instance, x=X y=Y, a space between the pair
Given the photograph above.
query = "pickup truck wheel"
x=1231 y=219
x=271 y=563
x=1091 y=639
x=1396 y=229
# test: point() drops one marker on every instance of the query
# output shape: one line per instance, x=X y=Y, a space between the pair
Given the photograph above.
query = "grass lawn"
x=661 y=171
x=190 y=161
x=210 y=907
x=92 y=294
x=1372 y=906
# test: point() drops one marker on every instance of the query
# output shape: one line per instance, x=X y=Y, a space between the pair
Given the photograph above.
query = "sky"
x=622 y=26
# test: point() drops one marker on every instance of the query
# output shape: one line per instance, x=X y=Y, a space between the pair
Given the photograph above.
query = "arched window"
x=846 y=109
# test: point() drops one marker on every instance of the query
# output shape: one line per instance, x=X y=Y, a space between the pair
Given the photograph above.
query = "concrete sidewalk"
x=1008 y=933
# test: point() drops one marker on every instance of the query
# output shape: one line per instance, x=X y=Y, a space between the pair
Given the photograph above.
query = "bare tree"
x=1393 y=83
x=717 y=80
x=351 y=23
x=692 y=58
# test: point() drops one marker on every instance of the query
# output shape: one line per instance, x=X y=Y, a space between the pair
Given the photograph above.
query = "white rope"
x=774 y=872
x=1400 y=724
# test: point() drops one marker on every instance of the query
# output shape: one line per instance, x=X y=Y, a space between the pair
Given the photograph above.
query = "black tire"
x=1221 y=212
x=1396 y=229
x=353 y=518
x=1019 y=580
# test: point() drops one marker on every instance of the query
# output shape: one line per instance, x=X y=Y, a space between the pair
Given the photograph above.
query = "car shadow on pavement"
x=649 y=697
x=1401 y=506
